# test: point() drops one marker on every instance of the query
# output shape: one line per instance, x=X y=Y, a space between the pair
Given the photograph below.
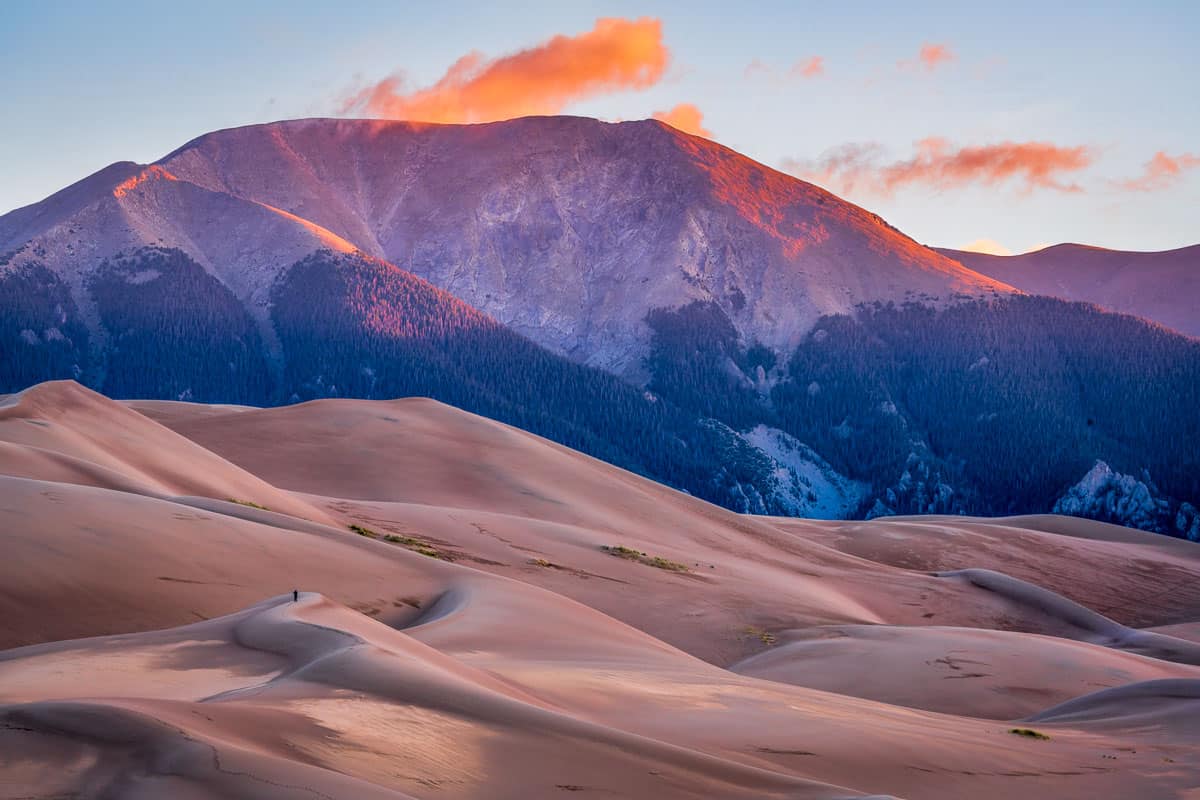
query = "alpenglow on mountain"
x=651 y=298
x=568 y=230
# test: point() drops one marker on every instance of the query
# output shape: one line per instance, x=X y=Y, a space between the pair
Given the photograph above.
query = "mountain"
x=568 y=230
x=652 y=299
x=168 y=329
x=1162 y=286
x=986 y=407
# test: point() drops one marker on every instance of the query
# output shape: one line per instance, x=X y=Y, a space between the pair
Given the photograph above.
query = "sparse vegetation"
x=658 y=562
x=416 y=545
x=1029 y=733
x=541 y=562
x=629 y=554
x=248 y=504
x=763 y=635
x=621 y=551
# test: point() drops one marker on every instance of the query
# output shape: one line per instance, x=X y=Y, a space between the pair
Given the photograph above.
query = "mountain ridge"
x=1159 y=285
x=567 y=229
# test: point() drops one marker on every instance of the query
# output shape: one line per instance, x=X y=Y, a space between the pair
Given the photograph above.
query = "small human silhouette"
x=295 y=595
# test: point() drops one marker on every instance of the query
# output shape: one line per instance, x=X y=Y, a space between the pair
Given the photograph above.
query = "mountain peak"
x=567 y=229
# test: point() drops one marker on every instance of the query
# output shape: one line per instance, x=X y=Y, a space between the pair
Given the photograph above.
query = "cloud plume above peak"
x=685 y=117
x=939 y=165
x=615 y=55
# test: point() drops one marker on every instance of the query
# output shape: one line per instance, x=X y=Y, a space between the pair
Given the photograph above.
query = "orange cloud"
x=1036 y=165
x=934 y=55
x=811 y=67
x=930 y=57
x=1161 y=171
x=685 y=117
x=616 y=55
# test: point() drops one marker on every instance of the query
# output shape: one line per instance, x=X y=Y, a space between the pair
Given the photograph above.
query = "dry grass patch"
x=763 y=635
x=408 y=542
x=629 y=554
x=248 y=504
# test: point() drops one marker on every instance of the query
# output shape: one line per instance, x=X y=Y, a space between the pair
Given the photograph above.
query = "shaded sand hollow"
x=475 y=638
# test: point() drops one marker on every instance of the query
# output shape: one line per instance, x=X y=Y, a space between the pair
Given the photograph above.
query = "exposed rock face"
x=1163 y=286
x=807 y=485
x=567 y=229
x=1111 y=496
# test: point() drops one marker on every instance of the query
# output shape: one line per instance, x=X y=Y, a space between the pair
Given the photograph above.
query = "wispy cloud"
x=806 y=68
x=616 y=55
x=930 y=57
x=937 y=164
x=811 y=67
x=1160 y=172
x=685 y=117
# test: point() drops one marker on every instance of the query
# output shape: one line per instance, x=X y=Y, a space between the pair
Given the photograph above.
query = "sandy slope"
x=64 y=432
x=965 y=671
x=1147 y=579
x=528 y=662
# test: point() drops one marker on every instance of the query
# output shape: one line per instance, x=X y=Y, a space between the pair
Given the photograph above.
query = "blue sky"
x=86 y=84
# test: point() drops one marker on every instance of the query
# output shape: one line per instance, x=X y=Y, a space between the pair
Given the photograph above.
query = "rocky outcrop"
x=1111 y=496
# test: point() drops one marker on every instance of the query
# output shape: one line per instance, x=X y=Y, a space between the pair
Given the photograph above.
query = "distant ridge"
x=1162 y=286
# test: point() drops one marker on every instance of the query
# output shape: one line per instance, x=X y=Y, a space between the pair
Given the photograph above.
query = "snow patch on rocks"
x=1111 y=496
x=804 y=480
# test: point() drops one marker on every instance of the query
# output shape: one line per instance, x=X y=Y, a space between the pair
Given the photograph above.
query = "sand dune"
x=965 y=671
x=64 y=432
x=491 y=647
x=425 y=707
x=1168 y=708
x=1148 y=579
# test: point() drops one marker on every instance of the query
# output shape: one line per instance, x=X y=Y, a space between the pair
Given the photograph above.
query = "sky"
x=1003 y=127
